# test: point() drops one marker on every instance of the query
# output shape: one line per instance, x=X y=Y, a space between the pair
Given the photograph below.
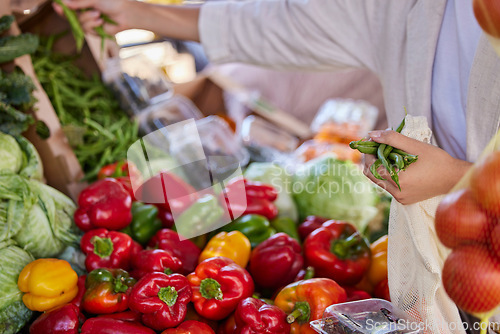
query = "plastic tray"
x=369 y=316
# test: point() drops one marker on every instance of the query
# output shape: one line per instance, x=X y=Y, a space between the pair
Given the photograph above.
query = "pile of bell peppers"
x=258 y=274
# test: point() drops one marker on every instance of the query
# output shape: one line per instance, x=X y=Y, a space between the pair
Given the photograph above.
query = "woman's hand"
x=434 y=173
x=116 y=10
x=177 y=22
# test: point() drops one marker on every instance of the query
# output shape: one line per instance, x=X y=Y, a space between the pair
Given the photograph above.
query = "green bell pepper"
x=286 y=225
x=200 y=216
x=145 y=222
x=255 y=227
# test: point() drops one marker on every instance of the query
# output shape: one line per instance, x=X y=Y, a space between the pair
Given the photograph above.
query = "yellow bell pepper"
x=47 y=283
x=378 y=266
x=233 y=245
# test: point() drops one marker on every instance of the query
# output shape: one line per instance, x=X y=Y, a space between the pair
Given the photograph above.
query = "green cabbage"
x=334 y=189
x=49 y=226
x=11 y=155
x=13 y=314
x=18 y=155
x=16 y=200
x=276 y=176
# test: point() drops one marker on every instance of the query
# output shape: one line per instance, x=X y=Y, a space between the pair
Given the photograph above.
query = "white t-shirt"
x=455 y=52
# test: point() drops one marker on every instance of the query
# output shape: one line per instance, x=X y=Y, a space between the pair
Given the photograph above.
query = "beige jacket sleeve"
x=293 y=34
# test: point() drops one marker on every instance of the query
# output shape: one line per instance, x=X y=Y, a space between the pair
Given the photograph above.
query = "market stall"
x=137 y=196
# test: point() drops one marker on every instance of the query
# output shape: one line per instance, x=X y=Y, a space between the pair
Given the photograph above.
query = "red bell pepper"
x=63 y=320
x=166 y=217
x=382 y=290
x=256 y=317
x=184 y=250
x=105 y=325
x=190 y=327
x=275 y=262
x=218 y=286
x=167 y=191
x=309 y=225
x=228 y=326
x=259 y=199
x=135 y=249
x=155 y=260
x=337 y=251
x=118 y=169
x=124 y=316
x=162 y=299
x=81 y=291
x=354 y=294
x=107 y=291
x=193 y=315
x=106 y=249
x=306 y=300
x=105 y=204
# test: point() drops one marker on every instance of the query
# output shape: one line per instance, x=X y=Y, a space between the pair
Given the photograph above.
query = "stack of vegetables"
x=35 y=221
x=261 y=273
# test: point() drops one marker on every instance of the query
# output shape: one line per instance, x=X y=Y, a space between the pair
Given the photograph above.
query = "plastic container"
x=312 y=149
x=340 y=120
x=137 y=83
x=171 y=111
x=265 y=141
x=369 y=316
x=214 y=150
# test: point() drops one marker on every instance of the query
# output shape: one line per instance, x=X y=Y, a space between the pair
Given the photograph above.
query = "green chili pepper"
x=286 y=225
x=398 y=160
x=374 y=167
x=255 y=227
x=145 y=222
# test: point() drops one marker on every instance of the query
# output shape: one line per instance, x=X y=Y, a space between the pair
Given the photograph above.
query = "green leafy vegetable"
x=334 y=189
x=12 y=47
x=5 y=22
x=49 y=226
x=13 y=314
x=32 y=167
x=11 y=155
x=16 y=98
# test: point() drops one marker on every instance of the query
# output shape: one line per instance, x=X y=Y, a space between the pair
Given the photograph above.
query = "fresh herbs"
x=99 y=132
x=12 y=47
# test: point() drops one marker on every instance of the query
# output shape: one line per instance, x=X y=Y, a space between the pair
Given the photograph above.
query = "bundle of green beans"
x=98 y=130
x=394 y=160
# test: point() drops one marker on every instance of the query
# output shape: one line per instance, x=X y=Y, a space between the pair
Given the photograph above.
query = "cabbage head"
x=334 y=189
x=49 y=226
x=19 y=156
x=13 y=314
x=11 y=155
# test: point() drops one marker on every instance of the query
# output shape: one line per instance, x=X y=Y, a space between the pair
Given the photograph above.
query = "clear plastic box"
x=171 y=111
x=265 y=141
x=215 y=149
x=369 y=316
x=136 y=82
x=345 y=118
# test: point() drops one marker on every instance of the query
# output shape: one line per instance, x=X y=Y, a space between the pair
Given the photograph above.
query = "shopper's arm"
x=434 y=173
x=179 y=22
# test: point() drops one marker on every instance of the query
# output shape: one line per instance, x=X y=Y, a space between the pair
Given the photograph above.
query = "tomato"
x=471 y=277
x=461 y=220
x=488 y=15
x=485 y=183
